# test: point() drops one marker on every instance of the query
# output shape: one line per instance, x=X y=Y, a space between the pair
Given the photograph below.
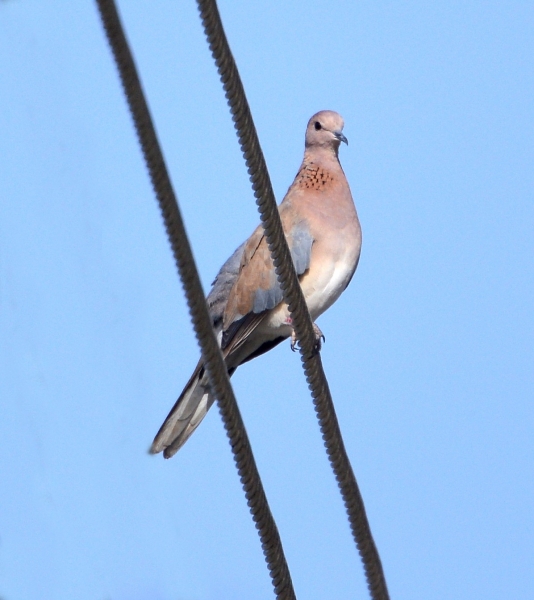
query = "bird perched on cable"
x=246 y=304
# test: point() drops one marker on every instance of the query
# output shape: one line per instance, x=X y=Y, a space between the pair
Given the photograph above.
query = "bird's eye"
x=317 y=125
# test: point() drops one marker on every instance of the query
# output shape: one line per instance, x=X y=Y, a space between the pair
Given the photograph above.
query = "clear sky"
x=429 y=353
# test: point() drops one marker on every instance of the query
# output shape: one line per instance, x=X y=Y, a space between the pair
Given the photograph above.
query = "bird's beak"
x=341 y=137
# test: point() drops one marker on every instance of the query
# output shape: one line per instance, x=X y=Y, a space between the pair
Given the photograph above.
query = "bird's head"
x=325 y=130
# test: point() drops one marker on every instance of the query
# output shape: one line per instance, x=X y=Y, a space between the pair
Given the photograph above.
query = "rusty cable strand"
x=293 y=296
x=213 y=360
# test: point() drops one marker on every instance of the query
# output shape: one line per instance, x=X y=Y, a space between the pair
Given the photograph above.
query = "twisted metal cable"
x=293 y=296
x=213 y=360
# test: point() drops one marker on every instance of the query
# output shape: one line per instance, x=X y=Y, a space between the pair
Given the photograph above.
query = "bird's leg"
x=319 y=337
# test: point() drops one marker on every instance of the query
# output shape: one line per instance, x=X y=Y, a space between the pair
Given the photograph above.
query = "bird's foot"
x=319 y=338
x=293 y=341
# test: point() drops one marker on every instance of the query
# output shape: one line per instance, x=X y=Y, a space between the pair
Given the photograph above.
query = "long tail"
x=185 y=416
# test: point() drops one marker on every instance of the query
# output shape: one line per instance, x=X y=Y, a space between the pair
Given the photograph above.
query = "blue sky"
x=429 y=353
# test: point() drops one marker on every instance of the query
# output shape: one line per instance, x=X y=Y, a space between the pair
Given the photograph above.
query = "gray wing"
x=265 y=290
x=221 y=286
x=300 y=243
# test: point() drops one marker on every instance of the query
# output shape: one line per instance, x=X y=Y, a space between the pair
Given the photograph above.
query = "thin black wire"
x=213 y=360
x=312 y=364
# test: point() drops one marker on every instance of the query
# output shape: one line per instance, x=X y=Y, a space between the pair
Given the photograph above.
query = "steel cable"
x=213 y=360
x=312 y=364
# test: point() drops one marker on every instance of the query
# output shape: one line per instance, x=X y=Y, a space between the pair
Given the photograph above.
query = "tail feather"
x=185 y=416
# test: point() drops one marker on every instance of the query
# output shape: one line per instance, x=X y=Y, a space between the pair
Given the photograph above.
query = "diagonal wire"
x=213 y=360
x=312 y=364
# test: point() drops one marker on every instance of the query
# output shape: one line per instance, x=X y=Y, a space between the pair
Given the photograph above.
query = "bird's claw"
x=319 y=339
x=293 y=341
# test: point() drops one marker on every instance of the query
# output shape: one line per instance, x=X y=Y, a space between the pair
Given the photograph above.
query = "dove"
x=246 y=306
